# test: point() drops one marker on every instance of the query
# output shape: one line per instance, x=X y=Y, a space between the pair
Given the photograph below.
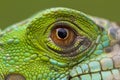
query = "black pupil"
x=62 y=33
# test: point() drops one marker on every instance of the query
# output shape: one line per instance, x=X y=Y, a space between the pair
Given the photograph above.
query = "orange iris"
x=62 y=35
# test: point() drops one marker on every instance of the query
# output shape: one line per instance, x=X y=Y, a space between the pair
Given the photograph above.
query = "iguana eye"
x=66 y=40
x=62 y=35
x=66 y=36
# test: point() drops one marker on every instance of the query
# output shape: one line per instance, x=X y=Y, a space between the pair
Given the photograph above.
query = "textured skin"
x=25 y=55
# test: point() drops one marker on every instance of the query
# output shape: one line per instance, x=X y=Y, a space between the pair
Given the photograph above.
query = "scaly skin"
x=28 y=52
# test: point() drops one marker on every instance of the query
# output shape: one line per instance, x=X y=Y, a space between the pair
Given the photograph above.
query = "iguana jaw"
x=103 y=67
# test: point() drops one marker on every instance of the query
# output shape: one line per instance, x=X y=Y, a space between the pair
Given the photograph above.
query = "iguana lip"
x=104 y=68
x=111 y=74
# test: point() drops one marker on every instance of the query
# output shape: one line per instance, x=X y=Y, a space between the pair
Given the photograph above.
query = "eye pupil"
x=62 y=33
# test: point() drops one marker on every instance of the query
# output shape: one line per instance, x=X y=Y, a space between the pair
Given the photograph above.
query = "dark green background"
x=12 y=11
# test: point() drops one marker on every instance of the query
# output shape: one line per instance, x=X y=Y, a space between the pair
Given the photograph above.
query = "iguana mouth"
x=100 y=75
x=105 y=69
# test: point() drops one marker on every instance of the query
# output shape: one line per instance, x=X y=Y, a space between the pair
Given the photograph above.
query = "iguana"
x=60 y=44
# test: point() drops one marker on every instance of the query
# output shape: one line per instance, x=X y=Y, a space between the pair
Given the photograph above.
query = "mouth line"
x=101 y=74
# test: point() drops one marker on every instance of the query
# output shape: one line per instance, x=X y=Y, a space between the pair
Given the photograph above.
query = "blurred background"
x=12 y=11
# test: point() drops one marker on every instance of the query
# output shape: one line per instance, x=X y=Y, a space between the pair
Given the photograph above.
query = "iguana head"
x=55 y=44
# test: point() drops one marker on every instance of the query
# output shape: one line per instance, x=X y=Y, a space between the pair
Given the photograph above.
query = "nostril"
x=14 y=76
